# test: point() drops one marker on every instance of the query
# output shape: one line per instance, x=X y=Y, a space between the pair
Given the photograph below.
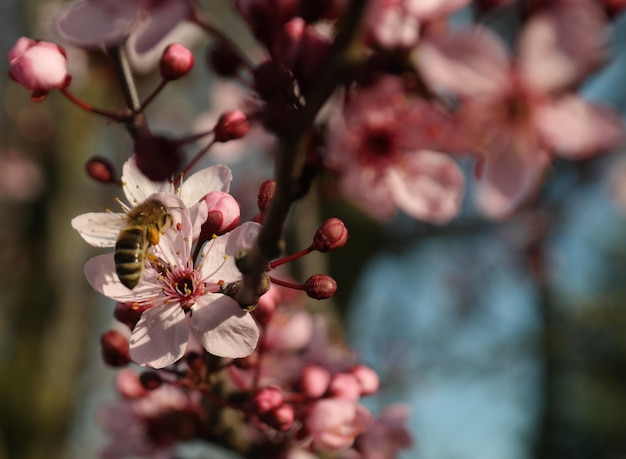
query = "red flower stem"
x=193 y=138
x=96 y=111
x=153 y=94
x=273 y=280
x=291 y=257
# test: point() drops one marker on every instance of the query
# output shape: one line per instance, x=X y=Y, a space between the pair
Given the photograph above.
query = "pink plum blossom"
x=185 y=298
x=100 y=229
x=381 y=148
x=334 y=423
x=38 y=66
x=516 y=114
x=396 y=23
x=143 y=426
x=94 y=23
x=387 y=436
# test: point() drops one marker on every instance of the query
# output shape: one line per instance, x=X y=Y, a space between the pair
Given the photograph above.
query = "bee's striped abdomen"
x=130 y=252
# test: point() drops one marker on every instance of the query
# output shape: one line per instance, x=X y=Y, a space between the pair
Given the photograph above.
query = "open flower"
x=100 y=229
x=381 y=148
x=183 y=297
x=94 y=23
x=518 y=113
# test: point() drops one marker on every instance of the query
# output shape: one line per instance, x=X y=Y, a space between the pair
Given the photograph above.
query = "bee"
x=142 y=229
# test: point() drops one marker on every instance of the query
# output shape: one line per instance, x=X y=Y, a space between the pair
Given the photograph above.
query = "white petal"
x=160 y=337
x=99 y=229
x=223 y=328
x=214 y=265
x=214 y=178
x=137 y=187
x=175 y=245
x=100 y=273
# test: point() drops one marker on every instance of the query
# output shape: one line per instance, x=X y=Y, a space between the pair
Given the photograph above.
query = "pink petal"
x=509 y=177
x=160 y=337
x=223 y=328
x=214 y=265
x=175 y=246
x=577 y=129
x=369 y=188
x=137 y=187
x=429 y=9
x=98 y=22
x=561 y=44
x=100 y=273
x=198 y=185
x=468 y=62
x=429 y=186
x=99 y=229
x=163 y=17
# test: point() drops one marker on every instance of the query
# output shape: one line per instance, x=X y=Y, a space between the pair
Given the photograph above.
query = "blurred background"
x=507 y=339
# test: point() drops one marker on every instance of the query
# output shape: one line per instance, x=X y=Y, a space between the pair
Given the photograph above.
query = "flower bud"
x=330 y=236
x=367 y=378
x=100 y=169
x=280 y=418
x=150 y=380
x=128 y=384
x=115 y=349
x=266 y=16
x=320 y=286
x=157 y=157
x=129 y=313
x=266 y=193
x=345 y=385
x=176 y=62
x=314 y=381
x=224 y=214
x=38 y=66
x=267 y=399
x=232 y=125
x=223 y=60
x=272 y=81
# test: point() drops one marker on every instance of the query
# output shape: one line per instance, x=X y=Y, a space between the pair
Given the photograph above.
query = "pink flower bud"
x=100 y=169
x=129 y=313
x=267 y=399
x=128 y=384
x=114 y=348
x=38 y=66
x=320 y=286
x=267 y=306
x=266 y=193
x=280 y=418
x=224 y=214
x=150 y=380
x=314 y=381
x=176 y=62
x=334 y=423
x=345 y=385
x=367 y=378
x=330 y=236
x=231 y=126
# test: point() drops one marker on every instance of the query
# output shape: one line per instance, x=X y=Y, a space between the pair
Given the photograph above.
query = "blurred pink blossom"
x=396 y=23
x=94 y=23
x=516 y=114
x=380 y=145
x=387 y=436
x=334 y=423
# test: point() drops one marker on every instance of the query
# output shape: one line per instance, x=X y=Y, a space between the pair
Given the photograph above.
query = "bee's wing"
x=99 y=229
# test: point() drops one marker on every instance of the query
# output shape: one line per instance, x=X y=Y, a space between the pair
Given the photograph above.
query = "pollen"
x=226 y=257
x=179 y=226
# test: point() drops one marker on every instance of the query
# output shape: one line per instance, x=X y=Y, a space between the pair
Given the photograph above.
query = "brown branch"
x=291 y=157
